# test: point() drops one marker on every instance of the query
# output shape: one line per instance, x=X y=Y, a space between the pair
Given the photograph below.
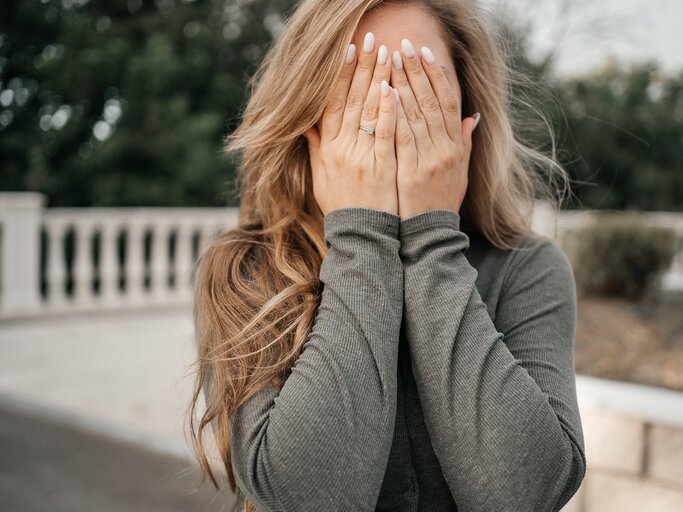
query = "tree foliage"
x=126 y=102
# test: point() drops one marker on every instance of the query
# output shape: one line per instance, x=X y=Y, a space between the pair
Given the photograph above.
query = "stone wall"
x=634 y=448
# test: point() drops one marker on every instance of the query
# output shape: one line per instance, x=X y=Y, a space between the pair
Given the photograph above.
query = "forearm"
x=323 y=441
x=502 y=441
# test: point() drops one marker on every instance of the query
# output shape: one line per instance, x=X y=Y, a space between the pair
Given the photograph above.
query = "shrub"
x=620 y=254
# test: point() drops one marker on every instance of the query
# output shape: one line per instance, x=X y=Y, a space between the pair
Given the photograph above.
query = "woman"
x=383 y=330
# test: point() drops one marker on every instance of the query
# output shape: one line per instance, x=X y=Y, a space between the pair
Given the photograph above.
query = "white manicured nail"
x=382 y=54
x=350 y=53
x=408 y=48
x=369 y=42
x=428 y=55
x=476 y=117
x=396 y=57
x=385 y=88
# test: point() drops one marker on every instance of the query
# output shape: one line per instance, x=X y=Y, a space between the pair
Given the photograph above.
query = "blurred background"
x=112 y=181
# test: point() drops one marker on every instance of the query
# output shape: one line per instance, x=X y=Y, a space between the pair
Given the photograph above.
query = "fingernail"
x=428 y=55
x=350 y=53
x=408 y=48
x=396 y=57
x=476 y=117
x=385 y=88
x=382 y=54
x=369 y=42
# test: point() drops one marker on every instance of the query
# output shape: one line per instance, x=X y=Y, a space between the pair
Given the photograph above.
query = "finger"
x=370 y=112
x=406 y=151
x=334 y=110
x=468 y=126
x=445 y=92
x=422 y=89
x=386 y=127
x=313 y=137
x=413 y=113
x=360 y=86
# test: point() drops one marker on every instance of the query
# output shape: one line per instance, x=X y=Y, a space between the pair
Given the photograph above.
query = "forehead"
x=390 y=23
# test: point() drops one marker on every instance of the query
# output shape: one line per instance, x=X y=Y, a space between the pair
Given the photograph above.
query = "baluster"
x=83 y=268
x=109 y=264
x=183 y=261
x=135 y=263
x=159 y=261
x=55 y=265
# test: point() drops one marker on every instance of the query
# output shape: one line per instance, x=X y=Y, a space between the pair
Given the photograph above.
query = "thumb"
x=313 y=137
x=468 y=126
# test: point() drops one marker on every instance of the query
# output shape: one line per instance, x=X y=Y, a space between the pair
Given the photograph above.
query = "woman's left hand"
x=433 y=144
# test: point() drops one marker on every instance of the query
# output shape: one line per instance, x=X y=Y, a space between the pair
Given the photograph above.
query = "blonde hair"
x=256 y=286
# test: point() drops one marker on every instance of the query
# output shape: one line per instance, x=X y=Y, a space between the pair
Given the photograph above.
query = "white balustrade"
x=74 y=280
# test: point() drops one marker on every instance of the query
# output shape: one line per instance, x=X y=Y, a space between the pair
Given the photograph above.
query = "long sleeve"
x=323 y=441
x=499 y=401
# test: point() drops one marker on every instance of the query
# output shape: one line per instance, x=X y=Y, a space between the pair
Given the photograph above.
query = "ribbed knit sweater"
x=438 y=376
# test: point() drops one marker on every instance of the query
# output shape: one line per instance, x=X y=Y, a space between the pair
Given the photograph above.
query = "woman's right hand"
x=351 y=167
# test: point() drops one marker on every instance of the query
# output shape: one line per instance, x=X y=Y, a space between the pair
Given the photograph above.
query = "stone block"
x=613 y=492
x=613 y=441
x=664 y=454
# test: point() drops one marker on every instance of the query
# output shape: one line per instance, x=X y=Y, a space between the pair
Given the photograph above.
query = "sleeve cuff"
x=360 y=219
x=440 y=217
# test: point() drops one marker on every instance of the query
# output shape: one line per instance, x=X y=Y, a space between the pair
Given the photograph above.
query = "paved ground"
x=49 y=466
x=92 y=414
x=128 y=370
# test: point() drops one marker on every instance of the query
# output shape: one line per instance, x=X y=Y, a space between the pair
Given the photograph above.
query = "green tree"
x=627 y=125
x=125 y=102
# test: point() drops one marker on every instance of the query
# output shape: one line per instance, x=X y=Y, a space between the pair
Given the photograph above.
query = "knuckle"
x=431 y=169
x=346 y=73
x=405 y=138
x=414 y=113
x=365 y=65
x=430 y=102
x=336 y=104
x=370 y=110
x=448 y=160
x=413 y=71
x=401 y=81
x=451 y=104
x=338 y=160
x=355 y=100
x=437 y=72
x=383 y=133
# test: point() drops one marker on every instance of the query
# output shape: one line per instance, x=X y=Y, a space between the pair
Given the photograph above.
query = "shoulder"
x=538 y=263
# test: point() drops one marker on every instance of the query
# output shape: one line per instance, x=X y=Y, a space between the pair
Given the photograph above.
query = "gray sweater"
x=439 y=375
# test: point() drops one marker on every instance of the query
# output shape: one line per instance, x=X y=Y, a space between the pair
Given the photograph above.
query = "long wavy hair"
x=256 y=286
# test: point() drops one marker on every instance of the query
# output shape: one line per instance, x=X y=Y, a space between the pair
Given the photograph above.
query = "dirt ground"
x=638 y=342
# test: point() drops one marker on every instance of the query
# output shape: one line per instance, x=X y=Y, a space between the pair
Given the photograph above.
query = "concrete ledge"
x=653 y=404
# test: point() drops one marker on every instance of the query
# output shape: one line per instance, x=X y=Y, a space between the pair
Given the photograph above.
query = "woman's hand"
x=349 y=166
x=433 y=144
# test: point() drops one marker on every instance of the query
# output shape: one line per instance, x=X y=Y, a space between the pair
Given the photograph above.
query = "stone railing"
x=56 y=260
x=634 y=447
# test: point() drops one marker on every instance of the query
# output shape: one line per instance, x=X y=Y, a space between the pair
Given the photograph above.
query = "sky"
x=589 y=31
